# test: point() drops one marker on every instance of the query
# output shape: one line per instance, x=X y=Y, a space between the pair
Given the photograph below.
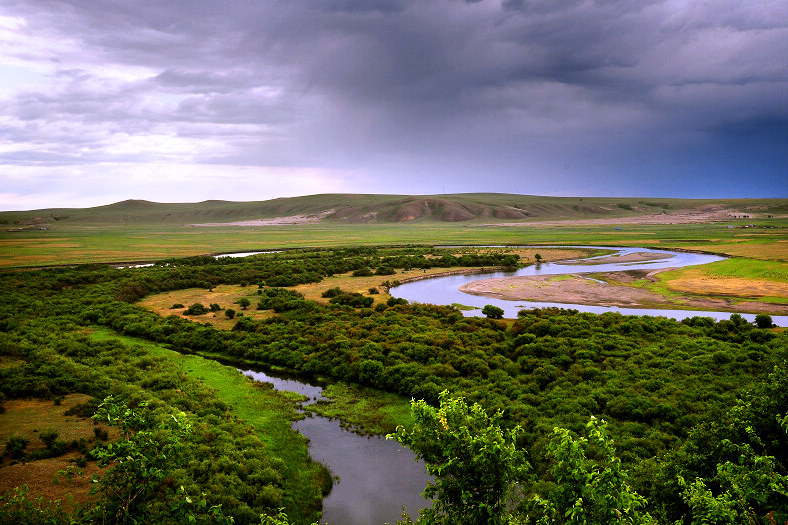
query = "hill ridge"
x=382 y=208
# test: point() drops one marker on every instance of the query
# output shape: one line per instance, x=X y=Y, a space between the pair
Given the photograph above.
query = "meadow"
x=146 y=243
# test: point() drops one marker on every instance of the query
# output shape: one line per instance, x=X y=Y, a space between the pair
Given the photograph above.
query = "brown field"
x=775 y=251
x=26 y=418
x=696 y=281
x=224 y=295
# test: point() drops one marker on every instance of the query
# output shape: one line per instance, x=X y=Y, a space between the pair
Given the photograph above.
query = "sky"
x=244 y=100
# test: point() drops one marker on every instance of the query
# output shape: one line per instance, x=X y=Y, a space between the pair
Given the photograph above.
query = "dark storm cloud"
x=536 y=95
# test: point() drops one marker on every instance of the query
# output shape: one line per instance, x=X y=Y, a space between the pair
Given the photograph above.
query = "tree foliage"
x=590 y=484
x=475 y=463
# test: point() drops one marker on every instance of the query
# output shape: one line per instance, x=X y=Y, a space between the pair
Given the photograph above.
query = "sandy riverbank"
x=633 y=257
x=609 y=289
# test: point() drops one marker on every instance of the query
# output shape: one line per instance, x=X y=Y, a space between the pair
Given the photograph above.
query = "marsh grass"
x=364 y=409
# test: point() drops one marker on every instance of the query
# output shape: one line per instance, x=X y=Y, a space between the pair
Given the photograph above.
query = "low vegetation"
x=696 y=409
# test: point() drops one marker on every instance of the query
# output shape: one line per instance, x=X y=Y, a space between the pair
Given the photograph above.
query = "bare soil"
x=275 y=221
x=620 y=289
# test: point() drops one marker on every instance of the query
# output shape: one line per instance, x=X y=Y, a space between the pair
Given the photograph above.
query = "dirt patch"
x=275 y=221
x=226 y=296
x=619 y=289
x=27 y=418
x=726 y=285
x=53 y=479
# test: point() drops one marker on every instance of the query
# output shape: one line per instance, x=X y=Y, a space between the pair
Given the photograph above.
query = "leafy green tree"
x=196 y=309
x=493 y=312
x=243 y=302
x=475 y=463
x=229 y=313
x=15 y=446
x=733 y=469
x=134 y=489
x=763 y=321
x=588 y=489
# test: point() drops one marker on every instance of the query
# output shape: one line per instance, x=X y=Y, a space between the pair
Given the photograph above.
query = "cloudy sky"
x=187 y=100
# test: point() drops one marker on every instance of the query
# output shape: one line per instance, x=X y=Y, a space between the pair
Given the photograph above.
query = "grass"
x=268 y=411
x=27 y=418
x=226 y=296
x=143 y=243
x=741 y=278
x=364 y=409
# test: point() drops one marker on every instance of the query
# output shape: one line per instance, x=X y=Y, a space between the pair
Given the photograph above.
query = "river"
x=377 y=477
x=445 y=290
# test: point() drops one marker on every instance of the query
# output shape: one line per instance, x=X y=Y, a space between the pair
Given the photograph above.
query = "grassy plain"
x=68 y=245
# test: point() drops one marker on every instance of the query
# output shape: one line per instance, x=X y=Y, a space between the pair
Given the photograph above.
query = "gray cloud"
x=528 y=95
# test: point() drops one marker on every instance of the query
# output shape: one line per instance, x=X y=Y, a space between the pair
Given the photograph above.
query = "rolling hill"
x=367 y=208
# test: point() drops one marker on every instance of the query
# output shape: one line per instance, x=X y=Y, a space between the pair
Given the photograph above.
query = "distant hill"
x=362 y=208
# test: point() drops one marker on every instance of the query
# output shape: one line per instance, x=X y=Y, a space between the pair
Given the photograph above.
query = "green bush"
x=15 y=446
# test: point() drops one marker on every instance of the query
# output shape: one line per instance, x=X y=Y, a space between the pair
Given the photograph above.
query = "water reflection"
x=445 y=290
x=377 y=477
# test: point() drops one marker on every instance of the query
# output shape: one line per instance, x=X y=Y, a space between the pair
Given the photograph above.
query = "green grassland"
x=70 y=246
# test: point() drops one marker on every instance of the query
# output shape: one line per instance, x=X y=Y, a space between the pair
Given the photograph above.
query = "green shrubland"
x=694 y=412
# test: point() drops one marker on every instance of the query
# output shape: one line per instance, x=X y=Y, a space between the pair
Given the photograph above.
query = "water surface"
x=377 y=477
x=445 y=290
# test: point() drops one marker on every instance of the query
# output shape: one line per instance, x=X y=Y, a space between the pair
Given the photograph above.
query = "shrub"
x=196 y=309
x=763 y=321
x=15 y=446
x=176 y=306
x=229 y=313
x=48 y=437
x=492 y=312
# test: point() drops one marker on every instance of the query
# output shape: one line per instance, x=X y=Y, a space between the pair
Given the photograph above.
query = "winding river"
x=377 y=477
x=445 y=290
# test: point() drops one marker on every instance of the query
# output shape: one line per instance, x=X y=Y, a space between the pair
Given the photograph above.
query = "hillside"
x=360 y=209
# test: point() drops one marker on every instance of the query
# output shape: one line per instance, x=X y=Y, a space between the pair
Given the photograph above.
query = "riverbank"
x=626 y=289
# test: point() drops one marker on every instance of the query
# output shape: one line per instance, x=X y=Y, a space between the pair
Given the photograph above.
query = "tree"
x=475 y=463
x=135 y=488
x=196 y=309
x=229 y=313
x=492 y=312
x=763 y=321
x=243 y=302
x=538 y=258
x=588 y=489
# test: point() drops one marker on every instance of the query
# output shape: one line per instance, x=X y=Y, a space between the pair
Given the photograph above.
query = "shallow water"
x=445 y=290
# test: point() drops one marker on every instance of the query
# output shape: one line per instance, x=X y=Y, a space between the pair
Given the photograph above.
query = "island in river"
x=628 y=289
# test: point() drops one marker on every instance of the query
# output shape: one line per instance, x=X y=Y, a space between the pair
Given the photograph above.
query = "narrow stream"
x=445 y=290
x=377 y=477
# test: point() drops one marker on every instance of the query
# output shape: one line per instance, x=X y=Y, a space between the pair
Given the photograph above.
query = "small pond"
x=377 y=477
